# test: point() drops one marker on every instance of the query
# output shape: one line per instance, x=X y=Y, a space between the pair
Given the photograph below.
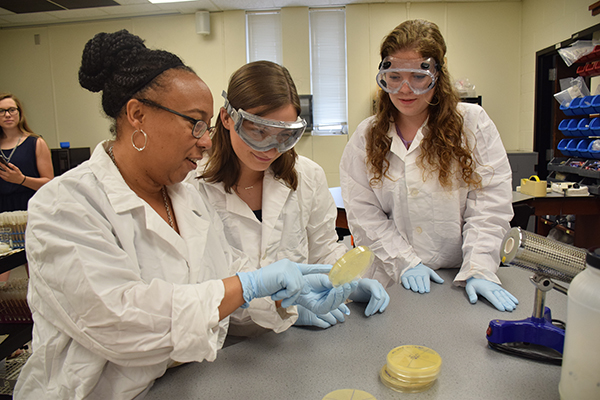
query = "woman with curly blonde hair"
x=426 y=181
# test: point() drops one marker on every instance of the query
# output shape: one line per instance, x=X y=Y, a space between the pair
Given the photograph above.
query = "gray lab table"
x=307 y=363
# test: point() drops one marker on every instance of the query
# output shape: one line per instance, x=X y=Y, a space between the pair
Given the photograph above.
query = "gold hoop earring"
x=434 y=104
x=145 y=140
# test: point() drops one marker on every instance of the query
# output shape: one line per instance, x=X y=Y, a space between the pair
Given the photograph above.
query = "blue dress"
x=14 y=197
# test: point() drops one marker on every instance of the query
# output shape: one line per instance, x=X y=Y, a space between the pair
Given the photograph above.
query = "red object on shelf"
x=594 y=55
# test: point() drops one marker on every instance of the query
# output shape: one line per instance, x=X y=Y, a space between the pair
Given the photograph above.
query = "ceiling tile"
x=29 y=6
x=76 y=4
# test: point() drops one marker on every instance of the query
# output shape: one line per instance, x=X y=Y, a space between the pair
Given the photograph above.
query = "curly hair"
x=121 y=66
x=444 y=146
x=268 y=87
x=22 y=125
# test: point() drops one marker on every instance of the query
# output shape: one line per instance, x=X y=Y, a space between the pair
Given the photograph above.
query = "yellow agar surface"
x=349 y=394
x=413 y=362
x=351 y=265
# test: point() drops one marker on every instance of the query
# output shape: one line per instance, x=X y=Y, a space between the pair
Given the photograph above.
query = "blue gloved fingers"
x=426 y=283
x=505 y=298
x=494 y=293
x=418 y=278
x=436 y=278
x=344 y=309
x=308 y=318
x=379 y=301
x=511 y=297
x=405 y=283
x=307 y=269
x=338 y=315
x=281 y=280
x=329 y=318
x=321 y=297
x=471 y=293
x=348 y=288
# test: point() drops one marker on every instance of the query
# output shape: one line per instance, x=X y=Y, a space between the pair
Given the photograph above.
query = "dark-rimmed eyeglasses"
x=198 y=130
x=10 y=111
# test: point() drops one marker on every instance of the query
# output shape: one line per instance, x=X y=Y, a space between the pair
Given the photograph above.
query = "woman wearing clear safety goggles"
x=274 y=203
x=426 y=181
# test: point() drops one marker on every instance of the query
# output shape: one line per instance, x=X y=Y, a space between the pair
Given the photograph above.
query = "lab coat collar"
x=398 y=147
x=123 y=199
x=120 y=195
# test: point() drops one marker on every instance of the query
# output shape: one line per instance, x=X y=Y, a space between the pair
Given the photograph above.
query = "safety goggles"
x=418 y=74
x=263 y=134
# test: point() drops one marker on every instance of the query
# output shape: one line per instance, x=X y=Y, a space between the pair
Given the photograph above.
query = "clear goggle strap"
x=230 y=110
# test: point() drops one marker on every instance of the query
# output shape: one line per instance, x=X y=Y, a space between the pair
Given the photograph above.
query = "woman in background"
x=426 y=181
x=274 y=203
x=25 y=160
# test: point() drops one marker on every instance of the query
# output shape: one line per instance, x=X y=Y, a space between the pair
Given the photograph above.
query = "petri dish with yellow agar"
x=351 y=265
x=349 y=394
x=411 y=369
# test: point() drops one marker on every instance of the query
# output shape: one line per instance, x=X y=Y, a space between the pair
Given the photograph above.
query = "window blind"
x=263 y=33
x=328 y=70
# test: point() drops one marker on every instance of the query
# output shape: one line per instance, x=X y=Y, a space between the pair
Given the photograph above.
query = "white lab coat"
x=297 y=225
x=408 y=220
x=116 y=294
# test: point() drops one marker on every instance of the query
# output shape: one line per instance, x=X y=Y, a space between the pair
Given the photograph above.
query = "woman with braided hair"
x=130 y=271
x=426 y=181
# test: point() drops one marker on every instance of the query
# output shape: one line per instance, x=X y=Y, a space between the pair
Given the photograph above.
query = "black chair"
x=522 y=214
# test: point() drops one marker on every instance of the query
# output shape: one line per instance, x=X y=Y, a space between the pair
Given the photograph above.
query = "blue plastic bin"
x=562 y=146
x=583 y=127
x=586 y=106
x=582 y=148
x=574 y=106
x=566 y=109
x=572 y=148
x=564 y=126
x=572 y=128
x=595 y=127
x=596 y=103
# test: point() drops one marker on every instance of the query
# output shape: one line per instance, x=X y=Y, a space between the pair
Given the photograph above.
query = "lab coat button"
x=414 y=192
x=419 y=230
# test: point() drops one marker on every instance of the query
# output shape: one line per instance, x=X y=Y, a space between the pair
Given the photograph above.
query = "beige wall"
x=545 y=23
x=491 y=43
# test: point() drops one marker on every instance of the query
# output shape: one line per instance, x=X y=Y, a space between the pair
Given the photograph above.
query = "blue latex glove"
x=417 y=278
x=320 y=296
x=499 y=297
x=309 y=318
x=282 y=280
x=372 y=291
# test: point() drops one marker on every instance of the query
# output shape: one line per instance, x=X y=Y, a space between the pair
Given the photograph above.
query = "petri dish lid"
x=349 y=394
x=390 y=381
x=351 y=265
x=413 y=361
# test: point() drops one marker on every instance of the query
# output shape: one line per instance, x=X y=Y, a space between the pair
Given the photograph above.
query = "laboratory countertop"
x=308 y=363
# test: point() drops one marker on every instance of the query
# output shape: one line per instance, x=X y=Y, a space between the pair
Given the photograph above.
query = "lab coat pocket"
x=446 y=215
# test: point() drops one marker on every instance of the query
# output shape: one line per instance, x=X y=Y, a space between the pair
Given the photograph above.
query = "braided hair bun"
x=120 y=65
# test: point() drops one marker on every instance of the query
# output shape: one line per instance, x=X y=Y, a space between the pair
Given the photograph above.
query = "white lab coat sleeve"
x=369 y=223
x=318 y=204
x=91 y=288
x=488 y=210
x=262 y=311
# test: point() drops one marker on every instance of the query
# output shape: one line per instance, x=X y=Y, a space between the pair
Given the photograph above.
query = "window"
x=264 y=36
x=328 y=70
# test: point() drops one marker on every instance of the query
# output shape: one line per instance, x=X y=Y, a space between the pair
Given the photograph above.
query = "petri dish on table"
x=349 y=394
x=351 y=265
x=411 y=369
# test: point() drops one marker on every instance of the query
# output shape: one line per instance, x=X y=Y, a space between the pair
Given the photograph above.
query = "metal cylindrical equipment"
x=544 y=256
